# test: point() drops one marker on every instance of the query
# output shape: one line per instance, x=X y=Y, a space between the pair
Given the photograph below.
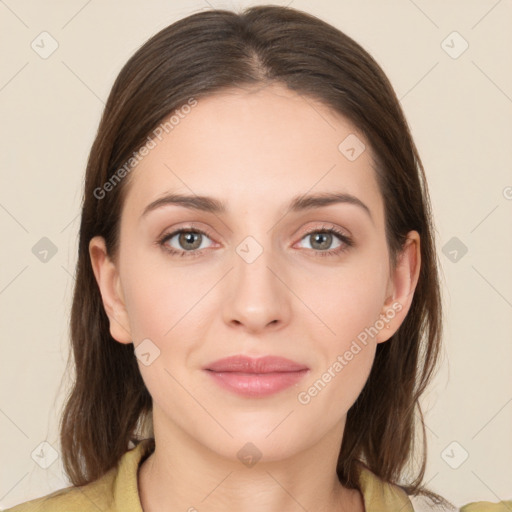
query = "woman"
x=257 y=309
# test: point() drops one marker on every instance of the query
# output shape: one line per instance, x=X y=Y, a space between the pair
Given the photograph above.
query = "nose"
x=258 y=298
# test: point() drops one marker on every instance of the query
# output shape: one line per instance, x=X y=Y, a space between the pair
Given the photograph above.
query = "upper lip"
x=245 y=364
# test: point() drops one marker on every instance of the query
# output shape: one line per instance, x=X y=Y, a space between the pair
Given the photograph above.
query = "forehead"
x=248 y=146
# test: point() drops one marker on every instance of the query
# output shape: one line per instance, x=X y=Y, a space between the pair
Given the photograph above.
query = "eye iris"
x=323 y=240
x=190 y=238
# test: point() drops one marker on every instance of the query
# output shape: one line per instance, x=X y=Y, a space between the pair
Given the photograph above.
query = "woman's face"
x=258 y=277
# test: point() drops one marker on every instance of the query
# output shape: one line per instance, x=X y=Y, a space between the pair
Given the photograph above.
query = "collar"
x=378 y=495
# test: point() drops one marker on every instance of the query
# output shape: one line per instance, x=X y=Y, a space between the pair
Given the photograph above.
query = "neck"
x=182 y=474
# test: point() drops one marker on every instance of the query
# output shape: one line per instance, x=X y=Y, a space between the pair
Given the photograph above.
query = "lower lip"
x=257 y=384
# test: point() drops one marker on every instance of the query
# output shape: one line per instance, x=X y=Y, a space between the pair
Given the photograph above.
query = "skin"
x=254 y=149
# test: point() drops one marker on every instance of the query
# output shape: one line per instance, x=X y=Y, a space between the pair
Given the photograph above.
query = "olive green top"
x=117 y=491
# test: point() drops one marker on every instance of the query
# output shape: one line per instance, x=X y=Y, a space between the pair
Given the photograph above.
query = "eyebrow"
x=297 y=204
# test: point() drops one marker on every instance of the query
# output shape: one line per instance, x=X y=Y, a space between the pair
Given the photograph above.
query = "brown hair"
x=194 y=57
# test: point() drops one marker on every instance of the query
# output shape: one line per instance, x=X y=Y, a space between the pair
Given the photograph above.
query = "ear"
x=401 y=286
x=107 y=277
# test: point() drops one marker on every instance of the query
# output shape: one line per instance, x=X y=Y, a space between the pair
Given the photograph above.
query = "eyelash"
x=347 y=241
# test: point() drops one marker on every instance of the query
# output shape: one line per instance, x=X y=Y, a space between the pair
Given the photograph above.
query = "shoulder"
x=381 y=495
x=115 y=491
x=89 y=498
x=487 y=506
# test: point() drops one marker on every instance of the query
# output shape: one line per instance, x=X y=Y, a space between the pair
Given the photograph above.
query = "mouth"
x=259 y=377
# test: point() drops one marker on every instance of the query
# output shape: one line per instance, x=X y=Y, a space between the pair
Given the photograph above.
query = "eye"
x=327 y=241
x=185 y=242
x=190 y=242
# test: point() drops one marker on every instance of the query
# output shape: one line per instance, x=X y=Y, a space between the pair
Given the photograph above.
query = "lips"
x=255 y=377
x=244 y=364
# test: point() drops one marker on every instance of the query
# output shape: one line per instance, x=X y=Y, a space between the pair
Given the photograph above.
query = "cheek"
x=164 y=306
x=347 y=301
x=346 y=348
x=349 y=305
x=148 y=303
x=158 y=295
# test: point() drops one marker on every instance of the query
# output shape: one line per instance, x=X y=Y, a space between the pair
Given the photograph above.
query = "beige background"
x=459 y=110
